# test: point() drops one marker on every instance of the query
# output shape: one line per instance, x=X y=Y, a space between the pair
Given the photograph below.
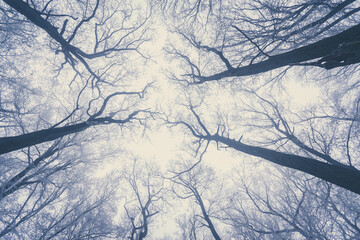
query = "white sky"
x=303 y=93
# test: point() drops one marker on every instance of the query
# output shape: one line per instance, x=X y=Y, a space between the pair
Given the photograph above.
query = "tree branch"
x=312 y=51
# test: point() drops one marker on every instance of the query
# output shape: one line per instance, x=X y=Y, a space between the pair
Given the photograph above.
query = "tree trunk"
x=345 y=177
x=312 y=51
x=35 y=17
x=9 y=144
x=206 y=216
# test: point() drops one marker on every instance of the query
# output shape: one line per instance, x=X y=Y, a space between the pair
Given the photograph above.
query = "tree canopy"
x=194 y=119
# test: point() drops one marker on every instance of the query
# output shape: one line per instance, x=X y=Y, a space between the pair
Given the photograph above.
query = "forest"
x=180 y=119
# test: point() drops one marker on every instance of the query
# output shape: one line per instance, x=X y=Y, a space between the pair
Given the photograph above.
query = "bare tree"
x=145 y=198
x=63 y=67
x=89 y=215
x=260 y=40
x=339 y=174
x=195 y=183
x=58 y=209
x=107 y=44
x=293 y=206
x=189 y=227
x=254 y=37
x=8 y=144
x=68 y=71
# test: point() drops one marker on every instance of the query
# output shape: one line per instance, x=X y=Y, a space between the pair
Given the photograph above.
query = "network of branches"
x=250 y=109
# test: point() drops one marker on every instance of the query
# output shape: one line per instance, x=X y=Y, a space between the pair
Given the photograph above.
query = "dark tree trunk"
x=346 y=177
x=9 y=144
x=206 y=216
x=35 y=17
x=322 y=48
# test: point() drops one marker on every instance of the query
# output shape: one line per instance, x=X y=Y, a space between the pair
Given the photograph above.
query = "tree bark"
x=35 y=17
x=344 y=177
x=206 y=216
x=9 y=144
x=309 y=52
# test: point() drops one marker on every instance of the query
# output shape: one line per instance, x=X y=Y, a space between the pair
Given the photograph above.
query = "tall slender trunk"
x=346 y=177
x=312 y=51
x=206 y=216
x=9 y=144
